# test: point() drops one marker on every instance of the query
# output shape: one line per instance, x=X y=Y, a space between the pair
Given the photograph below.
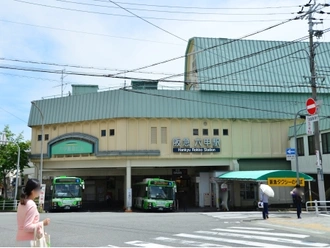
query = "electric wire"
x=175 y=12
x=88 y=33
x=146 y=17
x=200 y=7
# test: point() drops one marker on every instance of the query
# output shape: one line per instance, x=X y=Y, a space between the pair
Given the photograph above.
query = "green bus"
x=67 y=193
x=154 y=194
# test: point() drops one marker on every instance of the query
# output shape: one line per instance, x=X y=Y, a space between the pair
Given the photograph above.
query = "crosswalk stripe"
x=252 y=228
x=188 y=243
x=233 y=241
x=262 y=233
x=146 y=244
x=265 y=238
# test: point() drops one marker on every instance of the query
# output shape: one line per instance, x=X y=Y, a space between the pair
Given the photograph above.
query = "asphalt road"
x=230 y=229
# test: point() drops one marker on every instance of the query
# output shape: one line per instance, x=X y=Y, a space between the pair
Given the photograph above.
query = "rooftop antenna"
x=62 y=82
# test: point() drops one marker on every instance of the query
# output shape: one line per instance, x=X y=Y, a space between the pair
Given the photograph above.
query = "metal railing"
x=319 y=207
x=8 y=205
x=11 y=205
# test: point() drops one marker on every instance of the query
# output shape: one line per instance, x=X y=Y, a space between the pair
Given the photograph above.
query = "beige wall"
x=246 y=139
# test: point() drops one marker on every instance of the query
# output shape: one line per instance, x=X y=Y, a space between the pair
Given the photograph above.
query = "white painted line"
x=252 y=228
x=266 y=238
x=297 y=229
x=233 y=241
x=188 y=243
x=146 y=244
x=263 y=233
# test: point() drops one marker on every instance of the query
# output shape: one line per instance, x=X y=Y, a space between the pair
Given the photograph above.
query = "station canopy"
x=262 y=175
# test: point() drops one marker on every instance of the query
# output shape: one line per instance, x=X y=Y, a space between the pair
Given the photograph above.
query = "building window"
x=154 y=135
x=300 y=147
x=325 y=143
x=112 y=132
x=205 y=132
x=39 y=137
x=216 y=132
x=247 y=191
x=195 y=132
x=163 y=135
x=225 y=132
x=311 y=145
x=46 y=136
x=103 y=133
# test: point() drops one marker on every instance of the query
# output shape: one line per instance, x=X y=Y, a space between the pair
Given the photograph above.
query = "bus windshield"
x=161 y=192
x=67 y=190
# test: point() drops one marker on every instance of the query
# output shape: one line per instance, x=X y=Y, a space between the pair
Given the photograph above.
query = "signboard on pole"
x=129 y=198
x=311 y=106
x=42 y=194
x=310 y=123
x=290 y=154
x=318 y=160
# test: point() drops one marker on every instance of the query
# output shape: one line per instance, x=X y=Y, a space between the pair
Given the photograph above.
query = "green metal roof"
x=262 y=175
x=274 y=70
x=169 y=104
x=324 y=125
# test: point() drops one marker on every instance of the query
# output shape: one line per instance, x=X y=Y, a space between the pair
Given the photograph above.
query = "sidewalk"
x=309 y=221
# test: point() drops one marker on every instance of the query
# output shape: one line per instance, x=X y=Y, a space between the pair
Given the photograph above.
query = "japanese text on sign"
x=285 y=182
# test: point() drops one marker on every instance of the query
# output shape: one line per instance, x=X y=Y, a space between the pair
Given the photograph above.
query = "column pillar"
x=128 y=187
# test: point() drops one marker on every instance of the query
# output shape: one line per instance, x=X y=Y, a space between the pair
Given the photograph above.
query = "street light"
x=4 y=141
x=42 y=139
x=296 y=145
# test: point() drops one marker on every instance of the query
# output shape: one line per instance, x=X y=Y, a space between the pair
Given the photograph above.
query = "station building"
x=239 y=102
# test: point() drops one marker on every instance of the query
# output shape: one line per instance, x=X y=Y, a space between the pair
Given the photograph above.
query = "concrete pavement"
x=163 y=230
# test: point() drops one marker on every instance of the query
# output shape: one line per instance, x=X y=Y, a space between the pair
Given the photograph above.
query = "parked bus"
x=67 y=193
x=154 y=194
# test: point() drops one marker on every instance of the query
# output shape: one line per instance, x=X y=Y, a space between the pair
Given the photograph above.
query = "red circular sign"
x=311 y=106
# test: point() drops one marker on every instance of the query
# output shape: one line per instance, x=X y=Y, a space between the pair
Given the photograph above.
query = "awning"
x=262 y=175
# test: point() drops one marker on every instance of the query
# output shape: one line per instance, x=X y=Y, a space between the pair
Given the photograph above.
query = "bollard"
x=316 y=208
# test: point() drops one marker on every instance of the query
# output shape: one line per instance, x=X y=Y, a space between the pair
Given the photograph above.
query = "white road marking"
x=262 y=233
x=188 y=243
x=265 y=238
x=233 y=241
x=252 y=228
x=146 y=244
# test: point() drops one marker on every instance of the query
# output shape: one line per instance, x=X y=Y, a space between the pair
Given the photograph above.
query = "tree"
x=9 y=153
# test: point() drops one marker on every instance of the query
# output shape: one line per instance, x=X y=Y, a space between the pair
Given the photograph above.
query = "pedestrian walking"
x=264 y=199
x=28 y=215
x=297 y=195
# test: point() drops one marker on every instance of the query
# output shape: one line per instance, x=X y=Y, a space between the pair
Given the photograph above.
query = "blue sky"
x=40 y=33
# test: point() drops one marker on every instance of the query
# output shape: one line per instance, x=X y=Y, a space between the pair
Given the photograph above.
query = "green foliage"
x=9 y=153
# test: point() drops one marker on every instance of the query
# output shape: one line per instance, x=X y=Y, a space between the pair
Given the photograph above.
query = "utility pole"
x=320 y=177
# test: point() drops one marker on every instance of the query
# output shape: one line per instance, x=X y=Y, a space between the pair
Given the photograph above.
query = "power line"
x=211 y=103
x=147 y=17
x=79 y=66
x=13 y=114
x=88 y=33
x=200 y=7
x=238 y=58
x=173 y=11
x=42 y=70
x=208 y=48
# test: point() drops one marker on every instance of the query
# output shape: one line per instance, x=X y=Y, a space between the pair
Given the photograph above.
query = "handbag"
x=260 y=205
x=43 y=241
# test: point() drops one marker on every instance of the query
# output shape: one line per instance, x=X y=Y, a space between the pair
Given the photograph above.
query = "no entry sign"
x=311 y=106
